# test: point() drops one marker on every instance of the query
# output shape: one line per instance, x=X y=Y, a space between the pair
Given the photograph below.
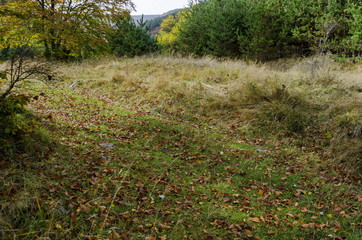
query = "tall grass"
x=314 y=100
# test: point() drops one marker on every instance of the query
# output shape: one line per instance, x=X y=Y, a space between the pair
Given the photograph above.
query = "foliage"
x=11 y=110
x=170 y=29
x=270 y=29
x=354 y=41
x=127 y=39
x=212 y=28
x=63 y=28
x=156 y=22
x=17 y=126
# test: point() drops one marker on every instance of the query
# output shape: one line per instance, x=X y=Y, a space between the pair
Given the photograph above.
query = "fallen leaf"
x=254 y=219
x=248 y=233
x=164 y=226
x=150 y=237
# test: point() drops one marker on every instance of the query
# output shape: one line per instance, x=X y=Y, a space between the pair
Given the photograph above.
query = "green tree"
x=270 y=29
x=127 y=39
x=212 y=28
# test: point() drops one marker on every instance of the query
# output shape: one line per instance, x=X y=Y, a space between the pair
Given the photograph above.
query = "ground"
x=122 y=168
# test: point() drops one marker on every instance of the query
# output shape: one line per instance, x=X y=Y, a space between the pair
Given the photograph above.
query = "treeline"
x=250 y=29
x=71 y=30
x=266 y=29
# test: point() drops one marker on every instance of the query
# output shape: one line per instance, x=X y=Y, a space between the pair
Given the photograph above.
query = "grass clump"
x=346 y=140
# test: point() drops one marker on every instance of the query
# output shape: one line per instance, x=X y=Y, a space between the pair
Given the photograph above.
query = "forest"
x=228 y=119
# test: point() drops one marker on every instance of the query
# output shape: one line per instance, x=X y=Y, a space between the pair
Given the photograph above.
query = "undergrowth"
x=20 y=132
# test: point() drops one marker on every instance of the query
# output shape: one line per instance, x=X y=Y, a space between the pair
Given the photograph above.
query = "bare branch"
x=20 y=69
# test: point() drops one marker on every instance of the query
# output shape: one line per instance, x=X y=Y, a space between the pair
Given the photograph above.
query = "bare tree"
x=20 y=68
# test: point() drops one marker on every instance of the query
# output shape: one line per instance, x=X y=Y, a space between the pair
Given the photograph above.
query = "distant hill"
x=137 y=18
x=154 y=21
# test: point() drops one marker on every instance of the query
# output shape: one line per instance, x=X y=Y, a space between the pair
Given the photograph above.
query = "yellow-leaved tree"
x=170 y=28
x=62 y=28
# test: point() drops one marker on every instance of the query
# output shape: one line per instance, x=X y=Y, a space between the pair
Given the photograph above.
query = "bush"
x=20 y=132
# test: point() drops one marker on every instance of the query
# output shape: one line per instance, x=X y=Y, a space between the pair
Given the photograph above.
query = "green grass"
x=168 y=178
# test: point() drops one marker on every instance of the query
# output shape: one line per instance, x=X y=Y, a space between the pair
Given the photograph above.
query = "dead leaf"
x=254 y=219
x=248 y=233
x=164 y=226
x=150 y=237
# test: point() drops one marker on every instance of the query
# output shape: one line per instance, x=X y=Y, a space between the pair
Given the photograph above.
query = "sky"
x=150 y=7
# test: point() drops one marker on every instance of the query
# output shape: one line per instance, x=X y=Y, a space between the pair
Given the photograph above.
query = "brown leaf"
x=306 y=225
x=101 y=225
x=115 y=235
x=164 y=226
x=254 y=219
x=248 y=233
x=126 y=215
x=337 y=224
x=85 y=209
x=304 y=209
x=150 y=237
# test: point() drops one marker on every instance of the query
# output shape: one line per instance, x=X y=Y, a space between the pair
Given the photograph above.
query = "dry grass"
x=288 y=96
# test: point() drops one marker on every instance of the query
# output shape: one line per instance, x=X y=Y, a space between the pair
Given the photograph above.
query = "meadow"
x=162 y=148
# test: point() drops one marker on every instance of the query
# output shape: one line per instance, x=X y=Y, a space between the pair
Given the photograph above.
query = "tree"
x=64 y=28
x=127 y=39
x=266 y=29
x=212 y=28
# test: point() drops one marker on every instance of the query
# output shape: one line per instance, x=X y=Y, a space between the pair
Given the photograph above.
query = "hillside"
x=182 y=148
x=137 y=18
x=154 y=21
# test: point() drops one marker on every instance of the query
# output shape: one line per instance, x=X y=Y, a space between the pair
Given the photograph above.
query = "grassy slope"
x=172 y=173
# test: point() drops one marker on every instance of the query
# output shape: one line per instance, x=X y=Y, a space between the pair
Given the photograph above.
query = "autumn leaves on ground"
x=175 y=148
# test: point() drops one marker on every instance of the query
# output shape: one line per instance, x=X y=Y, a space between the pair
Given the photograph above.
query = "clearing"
x=171 y=158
